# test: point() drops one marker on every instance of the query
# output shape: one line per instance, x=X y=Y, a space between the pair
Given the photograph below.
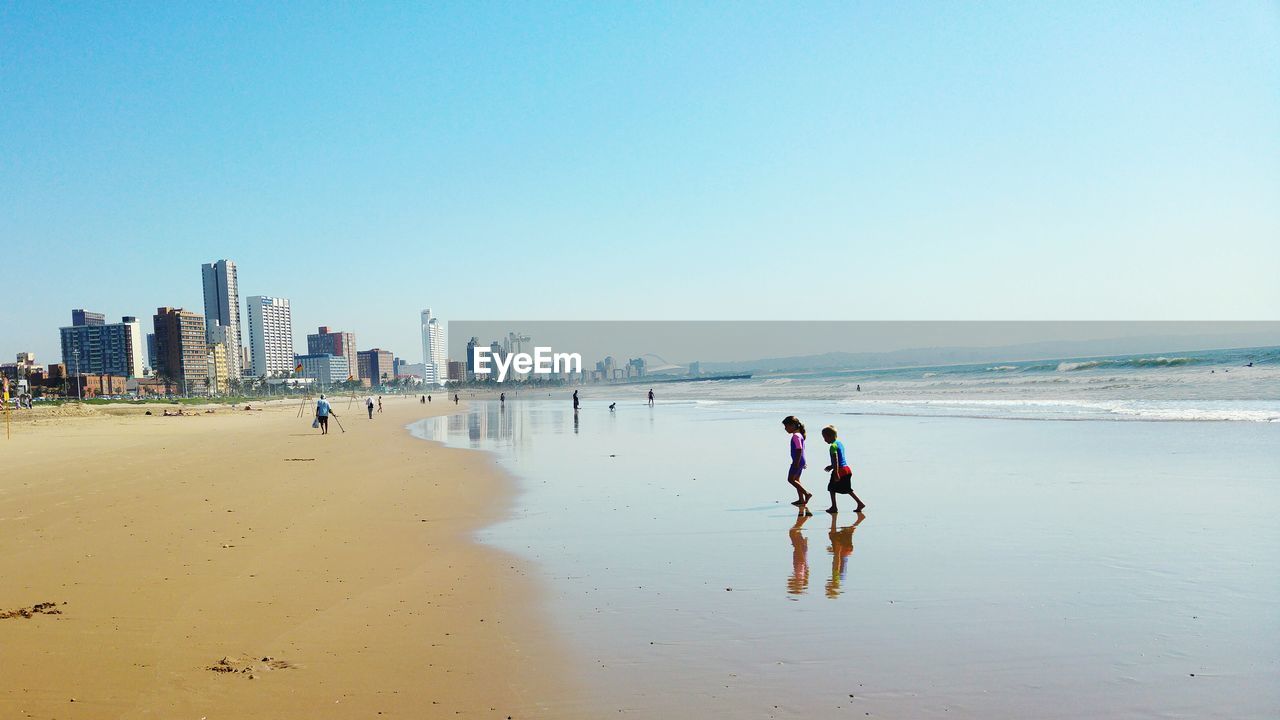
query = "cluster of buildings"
x=183 y=352
x=221 y=351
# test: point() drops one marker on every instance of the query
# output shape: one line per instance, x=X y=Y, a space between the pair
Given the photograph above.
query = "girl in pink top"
x=793 y=426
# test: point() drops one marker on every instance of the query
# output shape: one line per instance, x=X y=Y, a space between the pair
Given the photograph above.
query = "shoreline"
x=229 y=564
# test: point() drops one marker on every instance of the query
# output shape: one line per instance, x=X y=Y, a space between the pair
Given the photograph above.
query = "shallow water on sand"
x=1003 y=568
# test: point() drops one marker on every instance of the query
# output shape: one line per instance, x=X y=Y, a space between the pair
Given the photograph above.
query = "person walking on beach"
x=455 y=398
x=323 y=411
x=379 y=403
x=795 y=428
x=841 y=474
x=368 y=405
x=575 y=401
x=502 y=398
x=650 y=397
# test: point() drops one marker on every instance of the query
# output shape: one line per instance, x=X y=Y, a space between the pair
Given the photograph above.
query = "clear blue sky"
x=641 y=161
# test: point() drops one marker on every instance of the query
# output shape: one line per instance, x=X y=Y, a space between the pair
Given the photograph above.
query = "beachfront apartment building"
x=182 y=351
x=325 y=369
x=222 y=306
x=91 y=345
x=270 y=322
x=377 y=365
x=339 y=343
x=434 y=352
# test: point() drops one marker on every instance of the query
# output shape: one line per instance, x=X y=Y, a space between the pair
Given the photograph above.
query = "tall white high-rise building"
x=270 y=335
x=137 y=351
x=222 y=307
x=434 y=352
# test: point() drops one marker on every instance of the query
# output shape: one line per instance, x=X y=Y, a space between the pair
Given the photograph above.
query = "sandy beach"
x=238 y=564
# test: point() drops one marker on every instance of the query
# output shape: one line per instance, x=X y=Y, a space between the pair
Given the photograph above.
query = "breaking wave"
x=1127 y=363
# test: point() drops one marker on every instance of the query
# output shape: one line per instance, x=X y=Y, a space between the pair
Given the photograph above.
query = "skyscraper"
x=270 y=335
x=339 y=343
x=181 y=349
x=222 y=307
x=434 y=352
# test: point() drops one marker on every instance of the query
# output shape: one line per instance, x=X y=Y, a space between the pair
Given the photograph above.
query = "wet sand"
x=239 y=565
x=1003 y=568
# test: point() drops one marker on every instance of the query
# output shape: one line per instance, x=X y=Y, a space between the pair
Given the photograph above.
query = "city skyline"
x=213 y=351
x=220 y=287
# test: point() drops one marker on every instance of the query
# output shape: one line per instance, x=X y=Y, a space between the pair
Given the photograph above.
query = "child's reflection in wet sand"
x=798 y=583
x=841 y=548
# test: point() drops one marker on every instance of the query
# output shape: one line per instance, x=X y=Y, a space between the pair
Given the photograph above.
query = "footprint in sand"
x=250 y=665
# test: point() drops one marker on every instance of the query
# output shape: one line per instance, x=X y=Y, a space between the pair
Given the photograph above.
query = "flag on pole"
x=299 y=368
x=4 y=405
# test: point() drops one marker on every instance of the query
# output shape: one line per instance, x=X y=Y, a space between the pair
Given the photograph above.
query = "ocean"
x=1223 y=385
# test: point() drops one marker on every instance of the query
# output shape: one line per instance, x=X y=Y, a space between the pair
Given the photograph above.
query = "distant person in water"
x=368 y=404
x=795 y=428
x=650 y=397
x=613 y=406
x=575 y=401
x=841 y=474
x=857 y=388
x=502 y=398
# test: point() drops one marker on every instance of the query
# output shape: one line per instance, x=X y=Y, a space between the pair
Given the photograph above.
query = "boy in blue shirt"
x=841 y=474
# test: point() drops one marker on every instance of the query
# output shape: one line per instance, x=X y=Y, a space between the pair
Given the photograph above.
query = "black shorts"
x=840 y=484
x=324 y=420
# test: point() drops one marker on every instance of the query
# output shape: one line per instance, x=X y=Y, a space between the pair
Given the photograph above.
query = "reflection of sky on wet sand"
x=1003 y=568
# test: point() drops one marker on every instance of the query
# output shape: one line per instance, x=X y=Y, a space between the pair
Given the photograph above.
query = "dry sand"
x=238 y=564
